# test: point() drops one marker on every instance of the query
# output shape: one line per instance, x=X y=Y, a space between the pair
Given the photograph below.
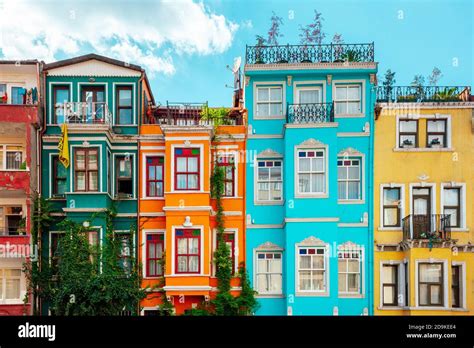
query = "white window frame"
x=267 y=294
x=235 y=155
x=269 y=84
x=402 y=206
x=445 y=283
x=401 y=276
x=134 y=174
x=462 y=202
x=256 y=181
x=201 y=168
x=300 y=88
x=3 y=153
x=202 y=241
x=144 y=174
x=15 y=264
x=347 y=84
x=4 y=215
x=114 y=103
x=360 y=250
x=51 y=107
x=324 y=148
x=361 y=197
x=326 y=277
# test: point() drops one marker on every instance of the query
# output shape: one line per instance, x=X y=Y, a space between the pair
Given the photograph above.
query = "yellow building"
x=424 y=192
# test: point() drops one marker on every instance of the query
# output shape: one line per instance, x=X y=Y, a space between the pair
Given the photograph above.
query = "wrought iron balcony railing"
x=190 y=114
x=85 y=113
x=418 y=94
x=327 y=53
x=12 y=231
x=434 y=227
x=310 y=113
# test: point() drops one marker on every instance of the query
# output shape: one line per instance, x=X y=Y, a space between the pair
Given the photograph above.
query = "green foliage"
x=87 y=280
x=166 y=307
x=217 y=116
x=246 y=301
x=351 y=56
x=447 y=94
x=313 y=33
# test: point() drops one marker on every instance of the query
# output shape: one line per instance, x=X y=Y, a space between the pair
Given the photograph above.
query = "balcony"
x=193 y=114
x=327 y=53
x=86 y=113
x=310 y=113
x=420 y=94
x=434 y=227
x=14 y=231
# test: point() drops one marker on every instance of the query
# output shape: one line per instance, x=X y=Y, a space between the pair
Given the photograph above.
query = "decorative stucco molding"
x=350 y=151
x=349 y=246
x=269 y=246
x=269 y=153
x=311 y=142
x=312 y=241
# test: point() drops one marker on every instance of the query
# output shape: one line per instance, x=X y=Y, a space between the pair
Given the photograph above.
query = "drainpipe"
x=371 y=213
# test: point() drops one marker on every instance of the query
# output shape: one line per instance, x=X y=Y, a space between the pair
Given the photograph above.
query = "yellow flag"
x=63 y=147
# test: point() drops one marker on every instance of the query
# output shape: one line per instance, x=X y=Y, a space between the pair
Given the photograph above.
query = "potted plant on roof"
x=312 y=34
x=273 y=36
x=338 y=50
x=447 y=94
x=259 y=50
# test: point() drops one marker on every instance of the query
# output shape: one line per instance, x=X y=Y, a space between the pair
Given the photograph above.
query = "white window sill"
x=300 y=195
x=430 y=308
x=11 y=302
x=14 y=170
x=312 y=294
x=351 y=201
x=268 y=203
x=152 y=198
x=423 y=149
x=391 y=229
x=351 y=296
x=269 y=296
x=393 y=308
x=124 y=125
x=459 y=229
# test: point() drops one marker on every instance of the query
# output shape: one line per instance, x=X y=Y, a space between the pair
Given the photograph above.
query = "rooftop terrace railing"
x=418 y=94
x=325 y=53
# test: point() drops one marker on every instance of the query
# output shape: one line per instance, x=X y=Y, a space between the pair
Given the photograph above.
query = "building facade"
x=101 y=101
x=423 y=221
x=19 y=125
x=309 y=203
x=179 y=147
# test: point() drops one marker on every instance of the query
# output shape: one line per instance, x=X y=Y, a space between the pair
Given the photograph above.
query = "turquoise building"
x=309 y=178
x=101 y=101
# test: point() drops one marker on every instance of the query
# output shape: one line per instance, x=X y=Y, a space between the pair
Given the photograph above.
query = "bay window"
x=188 y=251
x=154 y=254
x=187 y=169
x=311 y=171
x=86 y=169
x=312 y=269
x=154 y=176
x=269 y=273
x=269 y=180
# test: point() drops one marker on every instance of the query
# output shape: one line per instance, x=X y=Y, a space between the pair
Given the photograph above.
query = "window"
x=188 y=251
x=430 y=284
x=3 y=90
x=312 y=269
x=187 y=169
x=269 y=273
x=348 y=179
x=11 y=157
x=269 y=181
x=436 y=133
x=125 y=247
x=123 y=170
x=269 y=102
x=350 y=269
x=93 y=239
x=452 y=205
x=456 y=273
x=10 y=283
x=11 y=218
x=154 y=175
x=18 y=95
x=312 y=171
x=391 y=207
x=86 y=169
x=408 y=133
x=59 y=178
x=348 y=100
x=154 y=254
x=390 y=285
x=229 y=240
x=124 y=105
x=228 y=163
x=61 y=95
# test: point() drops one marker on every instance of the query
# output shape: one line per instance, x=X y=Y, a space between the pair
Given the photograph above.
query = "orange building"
x=178 y=148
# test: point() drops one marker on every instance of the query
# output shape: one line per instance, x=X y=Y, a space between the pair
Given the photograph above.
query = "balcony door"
x=421 y=211
x=308 y=108
x=308 y=95
x=94 y=97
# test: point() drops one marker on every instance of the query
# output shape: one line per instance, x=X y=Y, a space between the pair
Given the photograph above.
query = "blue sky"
x=185 y=45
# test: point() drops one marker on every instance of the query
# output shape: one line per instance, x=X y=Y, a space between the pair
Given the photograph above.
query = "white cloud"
x=141 y=32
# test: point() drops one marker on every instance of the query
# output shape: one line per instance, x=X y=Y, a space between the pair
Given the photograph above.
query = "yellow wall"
x=424 y=166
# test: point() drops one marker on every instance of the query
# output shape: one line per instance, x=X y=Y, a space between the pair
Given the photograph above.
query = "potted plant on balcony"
x=407 y=98
x=22 y=227
x=432 y=237
x=259 y=50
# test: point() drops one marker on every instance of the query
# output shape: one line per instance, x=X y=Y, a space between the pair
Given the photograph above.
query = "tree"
x=274 y=31
x=313 y=33
x=418 y=81
x=435 y=76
